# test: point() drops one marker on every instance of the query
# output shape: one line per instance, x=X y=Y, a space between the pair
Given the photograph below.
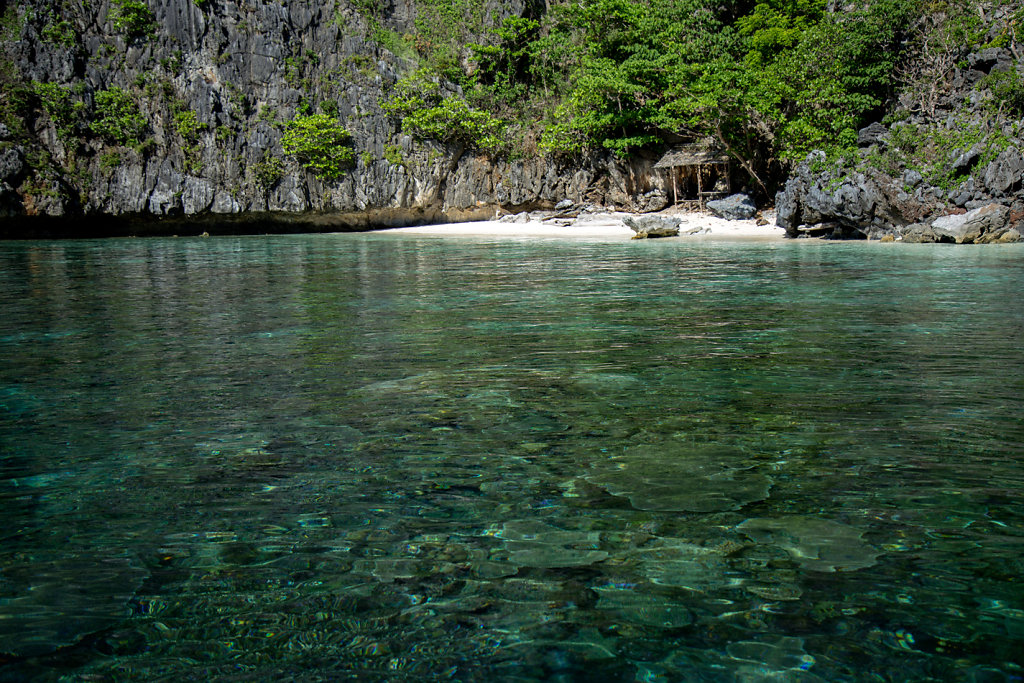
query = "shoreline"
x=598 y=225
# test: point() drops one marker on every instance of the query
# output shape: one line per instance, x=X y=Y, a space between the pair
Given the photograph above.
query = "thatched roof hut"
x=696 y=156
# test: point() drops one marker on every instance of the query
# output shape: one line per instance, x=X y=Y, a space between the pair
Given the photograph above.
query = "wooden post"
x=700 y=188
x=675 y=192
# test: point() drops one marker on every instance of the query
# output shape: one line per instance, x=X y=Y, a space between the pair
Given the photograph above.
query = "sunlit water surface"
x=385 y=458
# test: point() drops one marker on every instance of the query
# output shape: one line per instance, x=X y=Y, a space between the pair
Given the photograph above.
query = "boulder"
x=655 y=200
x=969 y=227
x=653 y=226
x=987 y=59
x=966 y=160
x=919 y=233
x=1005 y=173
x=737 y=207
x=787 y=205
x=563 y=205
x=872 y=135
x=1011 y=235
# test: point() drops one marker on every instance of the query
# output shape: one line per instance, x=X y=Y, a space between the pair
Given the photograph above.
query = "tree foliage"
x=426 y=112
x=118 y=117
x=771 y=80
x=320 y=144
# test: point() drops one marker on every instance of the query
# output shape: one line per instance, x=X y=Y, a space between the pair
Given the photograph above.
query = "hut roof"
x=694 y=154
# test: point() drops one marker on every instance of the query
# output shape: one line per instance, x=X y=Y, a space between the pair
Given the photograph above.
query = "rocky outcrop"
x=871 y=204
x=952 y=171
x=984 y=225
x=244 y=69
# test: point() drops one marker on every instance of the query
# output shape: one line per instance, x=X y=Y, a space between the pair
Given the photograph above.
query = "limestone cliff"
x=170 y=108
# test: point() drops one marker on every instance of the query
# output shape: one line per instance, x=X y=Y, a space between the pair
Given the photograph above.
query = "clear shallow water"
x=390 y=458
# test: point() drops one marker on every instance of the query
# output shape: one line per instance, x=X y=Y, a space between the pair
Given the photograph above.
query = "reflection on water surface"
x=385 y=458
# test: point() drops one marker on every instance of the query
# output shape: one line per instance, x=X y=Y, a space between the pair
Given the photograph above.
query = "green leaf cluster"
x=133 y=18
x=929 y=149
x=117 y=117
x=187 y=124
x=60 y=32
x=268 y=172
x=66 y=112
x=426 y=113
x=320 y=144
x=1007 y=88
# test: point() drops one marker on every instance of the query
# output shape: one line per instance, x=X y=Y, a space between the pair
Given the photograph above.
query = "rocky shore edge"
x=945 y=170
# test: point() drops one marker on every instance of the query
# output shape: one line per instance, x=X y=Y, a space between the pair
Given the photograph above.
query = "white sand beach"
x=600 y=225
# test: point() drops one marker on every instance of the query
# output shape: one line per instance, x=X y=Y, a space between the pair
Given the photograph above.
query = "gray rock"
x=563 y=205
x=197 y=196
x=969 y=227
x=912 y=178
x=872 y=135
x=10 y=202
x=787 y=205
x=1011 y=235
x=653 y=226
x=12 y=163
x=827 y=229
x=737 y=207
x=1005 y=173
x=966 y=160
x=4 y=132
x=985 y=60
x=918 y=233
x=655 y=200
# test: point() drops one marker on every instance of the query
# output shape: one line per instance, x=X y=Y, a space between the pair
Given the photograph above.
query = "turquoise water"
x=383 y=458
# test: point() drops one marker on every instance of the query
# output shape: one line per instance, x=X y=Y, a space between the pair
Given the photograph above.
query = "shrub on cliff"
x=425 y=113
x=133 y=18
x=118 y=118
x=321 y=145
x=65 y=111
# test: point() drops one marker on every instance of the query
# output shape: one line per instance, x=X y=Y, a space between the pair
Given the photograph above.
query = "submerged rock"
x=817 y=544
x=704 y=480
x=678 y=563
x=634 y=605
x=50 y=603
x=532 y=543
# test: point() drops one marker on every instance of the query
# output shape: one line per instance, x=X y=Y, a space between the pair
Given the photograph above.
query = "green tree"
x=133 y=18
x=424 y=112
x=320 y=144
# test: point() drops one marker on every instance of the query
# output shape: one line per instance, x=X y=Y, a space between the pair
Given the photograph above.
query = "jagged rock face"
x=245 y=68
x=872 y=204
x=818 y=204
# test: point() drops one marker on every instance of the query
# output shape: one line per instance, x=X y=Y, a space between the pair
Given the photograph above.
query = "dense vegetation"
x=769 y=80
